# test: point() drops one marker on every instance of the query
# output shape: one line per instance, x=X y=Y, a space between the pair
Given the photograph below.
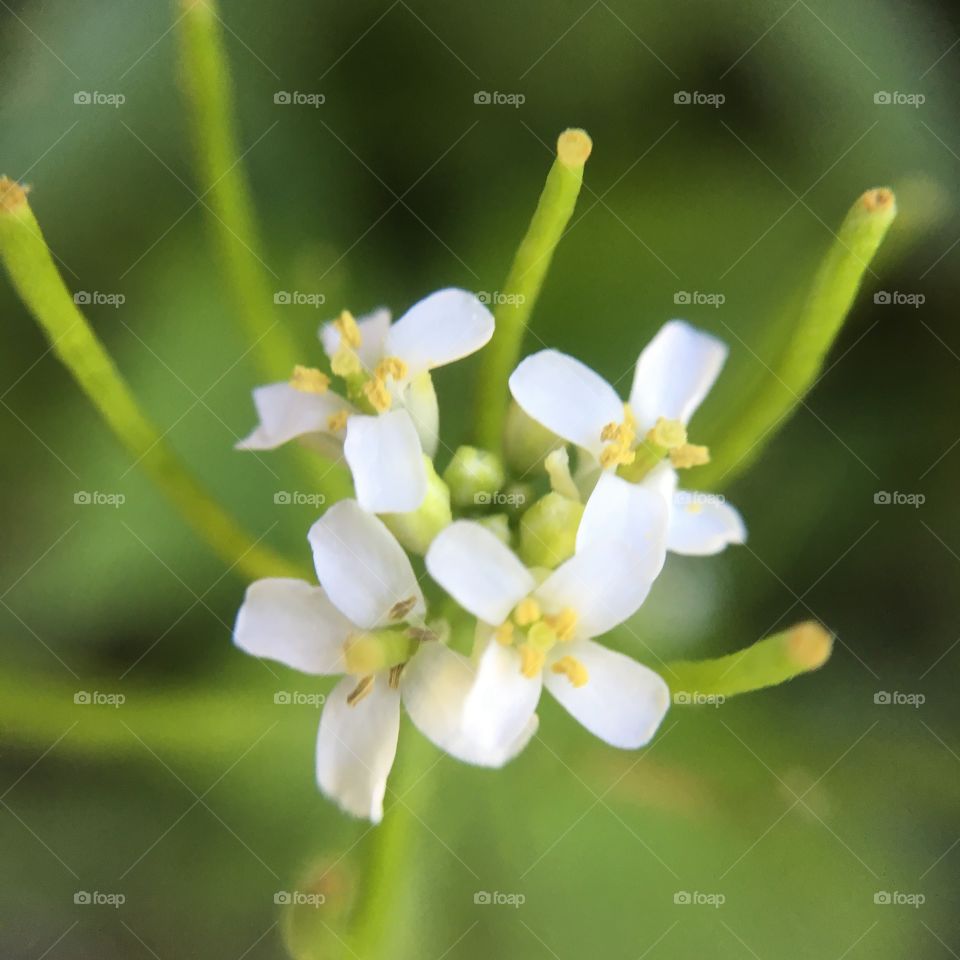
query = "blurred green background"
x=195 y=799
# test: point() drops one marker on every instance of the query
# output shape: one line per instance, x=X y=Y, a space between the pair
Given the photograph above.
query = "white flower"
x=674 y=373
x=387 y=371
x=532 y=636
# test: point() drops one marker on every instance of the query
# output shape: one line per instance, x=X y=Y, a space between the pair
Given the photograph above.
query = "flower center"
x=666 y=438
x=377 y=390
x=535 y=633
x=619 y=439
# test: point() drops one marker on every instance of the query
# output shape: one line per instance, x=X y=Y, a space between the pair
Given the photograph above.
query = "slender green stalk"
x=766 y=663
x=27 y=258
x=523 y=283
x=814 y=329
x=205 y=77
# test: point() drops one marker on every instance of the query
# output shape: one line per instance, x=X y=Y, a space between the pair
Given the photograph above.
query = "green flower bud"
x=416 y=530
x=474 y=476
x=548 y=531
x=526 y=443
x=499 y=525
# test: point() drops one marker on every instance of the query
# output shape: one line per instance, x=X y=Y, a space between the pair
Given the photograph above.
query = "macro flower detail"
x=386 y=418
x=366 y=622
x=535 y=632
x=641 y=443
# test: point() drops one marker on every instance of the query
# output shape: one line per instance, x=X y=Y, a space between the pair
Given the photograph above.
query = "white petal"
x=373 y=332
x=566 y=397
x=435 y=684
x=386 y=461
x=441 y=328
x=286 y=413
x=622 y=702
x=702 y=524
x=294 y=623
x=605 y=583
x=420 y=400
x=674 y=373
x=636 y=513
x=356 y=747
x=361 y=566
x=501 y=700
x=478 y=570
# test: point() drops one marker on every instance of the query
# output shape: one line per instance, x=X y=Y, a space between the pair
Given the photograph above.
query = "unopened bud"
x=548 y=531
x=474 y=476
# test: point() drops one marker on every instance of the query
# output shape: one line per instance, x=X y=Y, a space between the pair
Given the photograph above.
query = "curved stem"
x=766 y=663
x=523 y=283
x=27 y=258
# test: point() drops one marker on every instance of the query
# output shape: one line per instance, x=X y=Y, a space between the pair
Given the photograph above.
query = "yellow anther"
x=563 y=623
x=668 y=433
x=401 y=608
x=616 y=454
x=531 y=660
x=338 y=421
x=348 y=329
x=689 y=455
x=572 y=669
x=527 y=612
x=378 y=394
x=504 y=633
x=309 y=380
x=391 y=367
x=619 y=438
x=359 y=691
x=345 y=363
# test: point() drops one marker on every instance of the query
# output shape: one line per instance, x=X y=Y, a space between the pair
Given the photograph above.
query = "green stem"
x=378 y=915
x=523 y=283
x=27 y=259
x=766 y=663
x=223 y=186
x=820 y=319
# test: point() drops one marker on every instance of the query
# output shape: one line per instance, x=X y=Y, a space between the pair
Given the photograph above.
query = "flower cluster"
x=541 y=579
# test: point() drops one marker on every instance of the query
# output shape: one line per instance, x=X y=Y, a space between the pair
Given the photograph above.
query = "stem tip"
x=878 y=200
x=12 y=195
x=573 y=147
x=809 y=645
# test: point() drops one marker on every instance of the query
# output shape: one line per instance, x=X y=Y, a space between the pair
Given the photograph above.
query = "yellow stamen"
x=563 y=623
x=527 y=612
x=337 y=421
x=378 y=394
x=531 y=660
x=359 y=691
x=619 y=438
x=391 y=367
x=573 y=669
x=668 y=433
x=689 y=455
x=504 y=633
x=401 y=608
x=309 y=380
x=349 y=331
